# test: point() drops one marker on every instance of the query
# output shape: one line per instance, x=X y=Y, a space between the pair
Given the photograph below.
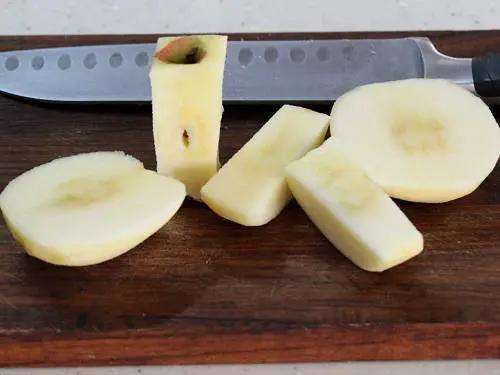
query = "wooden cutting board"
x=204 y=290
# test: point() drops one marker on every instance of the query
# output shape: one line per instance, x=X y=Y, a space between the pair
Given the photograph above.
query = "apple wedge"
x=186 y=79
x=421 y=140
x=88 y=208
x=354 y=213
x=250 y=189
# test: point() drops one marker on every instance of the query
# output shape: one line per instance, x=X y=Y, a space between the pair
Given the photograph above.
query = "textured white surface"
x=386 y=368
x=151 y=16
x=224 y=16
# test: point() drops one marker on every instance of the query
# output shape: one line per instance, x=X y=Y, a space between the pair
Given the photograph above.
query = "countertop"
x=28 y=17
x=151 y=16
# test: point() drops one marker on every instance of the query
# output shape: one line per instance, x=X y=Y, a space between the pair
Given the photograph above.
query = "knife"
x=262 y=71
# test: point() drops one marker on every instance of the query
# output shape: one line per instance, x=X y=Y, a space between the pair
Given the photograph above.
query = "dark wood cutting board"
x=204 y=290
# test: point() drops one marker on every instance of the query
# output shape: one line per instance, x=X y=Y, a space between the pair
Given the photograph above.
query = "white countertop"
x=225 y=16
x=151 y=16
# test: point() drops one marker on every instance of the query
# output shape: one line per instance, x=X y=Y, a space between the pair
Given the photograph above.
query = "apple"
x=186 y=79
x=250 y=189
x=88 y=208
x=353 y=212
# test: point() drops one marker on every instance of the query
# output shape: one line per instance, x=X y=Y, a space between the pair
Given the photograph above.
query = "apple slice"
x=250 y=189
x=88 y=208
x=354 y=213
x=422 y=140
x=186 y=81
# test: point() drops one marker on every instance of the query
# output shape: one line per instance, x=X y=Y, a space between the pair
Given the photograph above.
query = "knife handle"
x=486 y=75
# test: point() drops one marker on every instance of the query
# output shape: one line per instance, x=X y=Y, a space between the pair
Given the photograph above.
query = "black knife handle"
x=486 y=74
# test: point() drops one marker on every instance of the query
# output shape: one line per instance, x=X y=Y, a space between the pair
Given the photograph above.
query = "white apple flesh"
x=186 y=81
x=88 y=208
x=250 y=189
x=421 y=140
x=354 y=214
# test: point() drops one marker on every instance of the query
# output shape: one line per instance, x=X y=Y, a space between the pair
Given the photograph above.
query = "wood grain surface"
x=204 y=290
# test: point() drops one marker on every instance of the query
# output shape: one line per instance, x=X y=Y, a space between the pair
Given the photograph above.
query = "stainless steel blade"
x=256 y=71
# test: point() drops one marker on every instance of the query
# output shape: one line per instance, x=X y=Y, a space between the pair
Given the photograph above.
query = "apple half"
x=421 y=140
x=88 y=208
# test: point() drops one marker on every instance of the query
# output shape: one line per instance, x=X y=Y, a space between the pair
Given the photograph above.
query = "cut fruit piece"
x=88 y=208
x=186 y=81
x=354 y=213
x=250 y=189
x=421 y=140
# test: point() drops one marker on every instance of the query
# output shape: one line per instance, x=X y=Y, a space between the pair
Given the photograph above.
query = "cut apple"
x=422 y=140
x=354 y=213
x=88 y=208
x=186 y=82
x=250 y=189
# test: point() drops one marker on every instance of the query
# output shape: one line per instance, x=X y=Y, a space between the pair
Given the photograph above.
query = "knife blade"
x=256 y=71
